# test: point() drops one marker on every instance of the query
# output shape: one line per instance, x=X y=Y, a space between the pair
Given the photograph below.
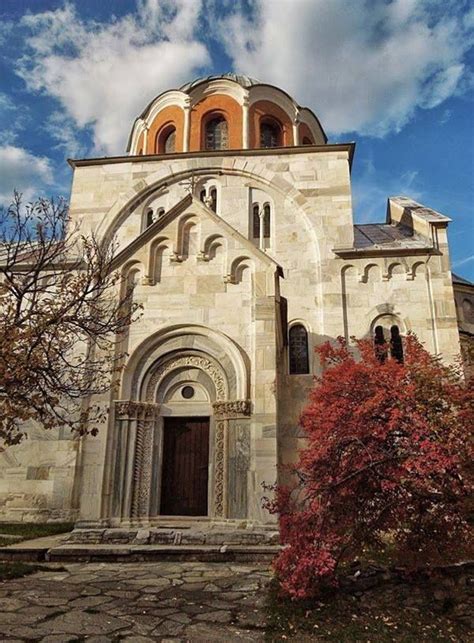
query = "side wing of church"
x=233 y=220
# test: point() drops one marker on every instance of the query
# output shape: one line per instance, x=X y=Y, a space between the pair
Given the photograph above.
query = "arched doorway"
x=183 y=445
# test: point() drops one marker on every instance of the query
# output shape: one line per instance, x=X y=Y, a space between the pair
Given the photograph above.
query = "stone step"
x=132 y=553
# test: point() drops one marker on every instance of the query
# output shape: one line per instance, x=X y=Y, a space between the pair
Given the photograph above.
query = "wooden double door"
x=185 y=471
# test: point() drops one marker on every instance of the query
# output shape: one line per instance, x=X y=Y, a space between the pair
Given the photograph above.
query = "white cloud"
x=22 y=171
x=104 y=74
x=362 y=66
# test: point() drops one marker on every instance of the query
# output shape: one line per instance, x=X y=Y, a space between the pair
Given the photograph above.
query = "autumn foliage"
x=63 y=311
x=384 y=467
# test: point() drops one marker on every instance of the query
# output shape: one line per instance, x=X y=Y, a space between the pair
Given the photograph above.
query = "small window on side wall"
x=298 y=350
x=383 y=342
x=256 y=221
x=213 y=197
x=266 y=221
x=396 y=344
x=150 y=218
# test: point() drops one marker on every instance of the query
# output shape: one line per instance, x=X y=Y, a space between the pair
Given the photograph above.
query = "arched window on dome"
x=166 y=140
x=216 y=134
x=270 y=133
x=298 y=350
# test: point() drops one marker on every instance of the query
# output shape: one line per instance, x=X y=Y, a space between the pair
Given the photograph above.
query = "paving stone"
x=137 y=602
x=168 y=628
x=215 y=617
x=85 y=602
x=11 y=604
x=58 y=638
x=85 y=623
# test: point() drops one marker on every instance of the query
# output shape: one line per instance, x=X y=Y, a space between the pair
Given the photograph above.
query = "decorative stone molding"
x=188 y=361
x=232 y=409
x=142 y=470
x=220 y=474
x=176 y=257
x=133 y=410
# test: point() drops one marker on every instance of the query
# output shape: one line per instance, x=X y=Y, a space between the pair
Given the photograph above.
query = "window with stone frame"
x=270 y=133
x=150 y=218
x=396 y=344
x=266 y=221
x=256 y=221
x=298 y=350
x=213 y=196
x=216 y=134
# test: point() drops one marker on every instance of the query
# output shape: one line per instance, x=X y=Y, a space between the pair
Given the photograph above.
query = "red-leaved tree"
x=384 y=467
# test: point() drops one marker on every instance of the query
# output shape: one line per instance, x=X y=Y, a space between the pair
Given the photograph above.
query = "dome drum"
x=245 y=114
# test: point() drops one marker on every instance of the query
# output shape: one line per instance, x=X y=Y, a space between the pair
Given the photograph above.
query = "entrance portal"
x=184 y=486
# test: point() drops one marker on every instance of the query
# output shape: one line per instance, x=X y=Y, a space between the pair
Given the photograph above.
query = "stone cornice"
x=272 y=151
x=355 y=253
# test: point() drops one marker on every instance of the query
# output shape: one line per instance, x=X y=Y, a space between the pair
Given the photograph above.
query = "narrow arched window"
x=266 y=221
x=169 y=144
x=213 y=195
x=202 y=195
x=150 y=218
x=270 y=133
x=216 y=136
x=396 y=344
x=380 y=345
x=160 y=212
x=256 y=221
x=298 y=350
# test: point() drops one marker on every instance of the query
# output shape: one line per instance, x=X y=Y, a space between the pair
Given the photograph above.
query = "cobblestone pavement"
x=139 y=602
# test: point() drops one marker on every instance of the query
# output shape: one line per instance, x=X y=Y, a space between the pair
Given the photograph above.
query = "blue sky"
x=395 y=76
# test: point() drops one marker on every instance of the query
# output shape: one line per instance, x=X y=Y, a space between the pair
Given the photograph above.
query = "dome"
x=243 y=81
x=223 y=112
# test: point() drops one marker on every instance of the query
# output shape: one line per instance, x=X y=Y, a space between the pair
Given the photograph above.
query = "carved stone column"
x=135 y=454
x=227 y=471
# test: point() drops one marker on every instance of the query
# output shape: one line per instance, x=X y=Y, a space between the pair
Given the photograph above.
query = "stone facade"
x=221 y=291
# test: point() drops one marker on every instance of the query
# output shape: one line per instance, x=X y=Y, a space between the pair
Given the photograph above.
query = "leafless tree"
x=63 y=312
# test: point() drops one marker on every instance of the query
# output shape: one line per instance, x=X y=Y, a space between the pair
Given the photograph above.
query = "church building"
x=232 y=217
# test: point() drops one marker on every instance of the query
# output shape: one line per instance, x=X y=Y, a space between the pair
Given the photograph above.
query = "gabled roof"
x=199 y=207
